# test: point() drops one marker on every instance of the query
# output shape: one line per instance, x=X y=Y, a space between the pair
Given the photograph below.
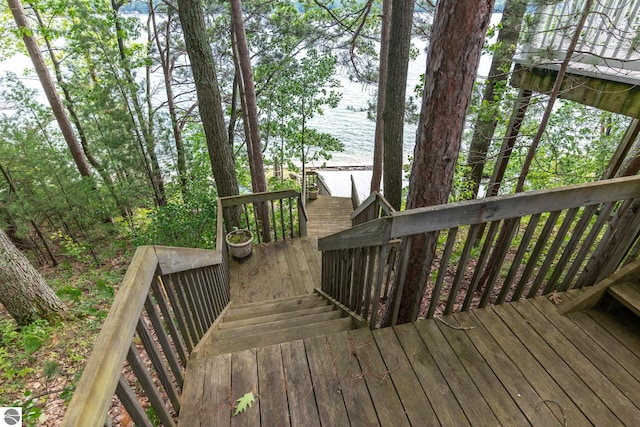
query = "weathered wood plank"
x=590 y=404
x=272 y=387
x=196 y=388
x=512 y=379
x=489 y=209
x=410 y=370
x=326 y=385
x=471 y=400
x=244 y=379
x=616 y=388
x=378 y=380
x=303 y=266
x=174 y=260
x=502 y=403
x=257 y=197
x=351 y=379
x=216 y=406
x=627 y=334
x=300 y=395
x=551 y=395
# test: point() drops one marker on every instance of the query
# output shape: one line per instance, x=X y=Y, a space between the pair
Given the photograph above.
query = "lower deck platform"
x=514 y=364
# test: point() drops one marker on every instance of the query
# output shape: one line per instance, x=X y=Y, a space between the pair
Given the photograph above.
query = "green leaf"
x=244 y=403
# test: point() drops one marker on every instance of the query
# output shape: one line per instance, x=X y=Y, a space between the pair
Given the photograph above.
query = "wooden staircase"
x=620 y=289
x=628 y=294
x=265 y=323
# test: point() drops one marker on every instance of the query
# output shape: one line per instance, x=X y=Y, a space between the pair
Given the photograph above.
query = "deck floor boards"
x=515 y=364
x=328 y=215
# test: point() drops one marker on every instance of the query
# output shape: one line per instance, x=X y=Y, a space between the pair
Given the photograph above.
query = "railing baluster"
x=137 y=365
x=480 y=264
x=186 y=308
x=509 y=230
x=206 y=301
x=284 y=231
x=158 y=365
x=182 y=318
x=130 y=402
x=517 y=260
x=178 y=341
x=472 y=235
x=163 y=339
x=442 y=271
x=553 y=251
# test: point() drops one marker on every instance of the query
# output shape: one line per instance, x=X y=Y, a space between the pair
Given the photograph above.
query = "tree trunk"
x=378 y=145
x=49 y=87
x=553 y=96
x=487 y=118
x=23 y=291
x=167 y=72
x=209 y=102
x=454 y=53
x=250 y=116
x=399 y=44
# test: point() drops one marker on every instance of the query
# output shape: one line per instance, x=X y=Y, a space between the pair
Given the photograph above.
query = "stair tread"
x=278 y=325
x=275 y=317
x=627 y=293
x=271 y=301
x=275 y=307
x=275 y=337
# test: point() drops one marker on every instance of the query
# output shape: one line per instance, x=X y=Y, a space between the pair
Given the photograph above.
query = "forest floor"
x=40 y=364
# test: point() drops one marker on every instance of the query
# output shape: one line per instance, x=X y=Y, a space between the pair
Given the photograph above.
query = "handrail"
x=178 y=290
x=167 y=301
x=285 y=213
x=560 y=232
x=375 y=206
x=314 y=178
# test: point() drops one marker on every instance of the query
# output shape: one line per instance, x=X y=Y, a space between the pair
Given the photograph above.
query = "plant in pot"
x=240 y=242
x=312 y=191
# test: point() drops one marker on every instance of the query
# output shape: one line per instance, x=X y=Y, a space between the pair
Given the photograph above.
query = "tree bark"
x=487 y=118
x=454 y=53
x=209 y=102
x=250 y=116
x=49 y=87
x=23 y=291
x=399 y=44
x=378 y=145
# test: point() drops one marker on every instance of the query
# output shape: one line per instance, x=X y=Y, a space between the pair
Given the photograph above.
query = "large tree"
x=457 y=37
x=487 y=118
x=23 y=291
x=396 y=88
x=209 y=101
x=49 y=87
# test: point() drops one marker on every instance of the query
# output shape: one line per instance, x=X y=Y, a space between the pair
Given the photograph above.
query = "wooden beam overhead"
x=617 y=97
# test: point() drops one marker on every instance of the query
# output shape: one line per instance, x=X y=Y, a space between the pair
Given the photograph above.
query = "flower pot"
x=313 y=193
x=240 y=243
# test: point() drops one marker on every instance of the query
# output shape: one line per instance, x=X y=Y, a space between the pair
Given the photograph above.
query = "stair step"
x=275 y=307
x=269 y=302
x=232 y=345
x=627 y=293
x=278 y=325
x=275 y=317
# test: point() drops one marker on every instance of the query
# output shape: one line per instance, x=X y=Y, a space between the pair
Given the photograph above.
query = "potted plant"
x=240 y=242
x=312 y=191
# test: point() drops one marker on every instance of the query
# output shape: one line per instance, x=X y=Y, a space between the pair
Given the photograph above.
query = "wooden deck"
x=328 y=215
x=276 y=270
x=515 y=364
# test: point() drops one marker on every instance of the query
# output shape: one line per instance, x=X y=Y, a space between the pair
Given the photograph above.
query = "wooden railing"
x=168 y=300
x=534 y=243
x=314 y=178
x=286 y=214
x=375 y=206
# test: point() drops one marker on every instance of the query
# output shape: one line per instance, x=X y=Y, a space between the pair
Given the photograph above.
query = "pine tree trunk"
x=487 y=118
x=399 y=44
x=378 y=145
x=49 y=88
x=209 y=102
x=23 y=291
x=454 y=53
